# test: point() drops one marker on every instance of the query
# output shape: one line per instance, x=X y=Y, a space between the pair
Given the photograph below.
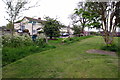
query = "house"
x=30 y=24
x=66 y=30
x=86 y=33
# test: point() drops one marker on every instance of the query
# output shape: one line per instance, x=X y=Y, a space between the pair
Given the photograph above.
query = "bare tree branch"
x=14 y=8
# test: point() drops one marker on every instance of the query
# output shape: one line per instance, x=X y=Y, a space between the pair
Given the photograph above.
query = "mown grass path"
x=66 y=61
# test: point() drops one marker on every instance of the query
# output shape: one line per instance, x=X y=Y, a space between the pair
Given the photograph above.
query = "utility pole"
x=32 y=28
x=33 y=23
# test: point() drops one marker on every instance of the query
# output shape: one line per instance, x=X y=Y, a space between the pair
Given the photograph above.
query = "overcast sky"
x=61 y=9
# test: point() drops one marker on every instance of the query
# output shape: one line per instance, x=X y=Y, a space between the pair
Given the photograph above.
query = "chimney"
x=39 y=18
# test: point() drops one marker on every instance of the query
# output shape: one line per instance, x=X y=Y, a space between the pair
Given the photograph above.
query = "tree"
x=86 y=17
x=77 y=30
x=81 y=15
x=52 y=27
x=14 y=8
x=9 y=26
x=110 y=18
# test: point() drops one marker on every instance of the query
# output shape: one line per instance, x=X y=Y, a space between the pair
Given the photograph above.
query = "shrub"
x=16 y=41
x=111 y=48
x=74 y=39
x=17 y=47
x=40 y=41
x=49 y=46
x=26 y=31
x=40 y=32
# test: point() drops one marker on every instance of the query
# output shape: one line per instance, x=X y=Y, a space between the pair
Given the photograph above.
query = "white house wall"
x=28 y=26
x=66 y=30
x=17 y=26
x=35 y=27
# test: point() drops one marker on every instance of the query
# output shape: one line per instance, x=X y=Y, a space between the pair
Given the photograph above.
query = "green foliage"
x=52 y=27
x=16 y=41
x=112 y=47
x=40 y=32
x=10 y=55
x=67 y=61
x=74 y=39
x=16 y=47
x=99 y=10
x=78 y=11
x=21 y=41
x=87 y=16
x=40 y=41
x=9 y=26
x=77 y=30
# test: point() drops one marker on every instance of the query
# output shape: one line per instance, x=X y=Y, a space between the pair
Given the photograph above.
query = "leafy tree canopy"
x=52 y=27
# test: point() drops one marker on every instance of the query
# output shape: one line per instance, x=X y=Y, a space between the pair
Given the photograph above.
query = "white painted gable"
x=25 y=23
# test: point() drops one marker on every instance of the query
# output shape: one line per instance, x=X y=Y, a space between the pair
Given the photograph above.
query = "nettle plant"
x=20 y=41
x=16 y=41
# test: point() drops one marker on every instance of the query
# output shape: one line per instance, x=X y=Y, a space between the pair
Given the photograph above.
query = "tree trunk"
x=12 y=32
x=108 y=38
x=12 y=29
x=46 y=40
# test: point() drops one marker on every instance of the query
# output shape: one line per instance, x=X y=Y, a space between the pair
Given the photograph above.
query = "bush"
x=16 y=41
x=110 y=48
x=49 y=46
x=17 y=47
x=40 y=32
x=40 y=41
x=74 y=39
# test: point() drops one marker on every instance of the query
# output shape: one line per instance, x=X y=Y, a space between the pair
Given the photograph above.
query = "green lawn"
x=66 y=61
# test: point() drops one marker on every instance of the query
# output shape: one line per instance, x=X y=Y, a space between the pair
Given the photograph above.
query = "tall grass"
x=17 y=47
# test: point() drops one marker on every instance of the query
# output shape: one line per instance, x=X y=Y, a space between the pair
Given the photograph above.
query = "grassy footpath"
x=66 y=61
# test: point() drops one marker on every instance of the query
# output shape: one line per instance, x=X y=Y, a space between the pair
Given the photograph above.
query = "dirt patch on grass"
x=101 y=52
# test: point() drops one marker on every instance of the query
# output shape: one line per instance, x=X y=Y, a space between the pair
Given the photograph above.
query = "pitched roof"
x=19 y=21
x=31 y=19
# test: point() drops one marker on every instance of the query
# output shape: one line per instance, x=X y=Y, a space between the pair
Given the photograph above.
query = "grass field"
x=66 y=61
